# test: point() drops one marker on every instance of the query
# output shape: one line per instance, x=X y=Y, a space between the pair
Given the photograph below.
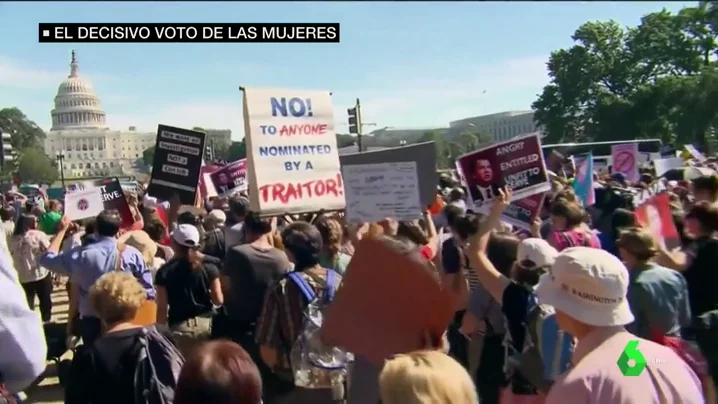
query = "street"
x=48 y=390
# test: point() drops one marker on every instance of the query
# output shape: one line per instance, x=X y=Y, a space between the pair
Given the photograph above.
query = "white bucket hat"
x=589 y=285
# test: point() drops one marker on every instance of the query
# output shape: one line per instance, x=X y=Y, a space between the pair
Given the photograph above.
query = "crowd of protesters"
x=210 y=285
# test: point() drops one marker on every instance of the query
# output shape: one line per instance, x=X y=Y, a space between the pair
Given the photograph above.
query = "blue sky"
x=412 y=64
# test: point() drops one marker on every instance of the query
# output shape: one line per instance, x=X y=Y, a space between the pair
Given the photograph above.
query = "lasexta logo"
x=631 y=362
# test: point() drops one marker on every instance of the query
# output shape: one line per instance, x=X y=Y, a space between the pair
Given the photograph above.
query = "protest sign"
x=655 y=215
x=292 y=159
x=373 y=318
x=624 y=159
x=375 y=192
x=424 y=154
x=83 y=204
x=113 y=198
x=230 y=178
x=695 y=153
x=517 y=163
x=663 y=165
x=523 y=212
x=176 y=165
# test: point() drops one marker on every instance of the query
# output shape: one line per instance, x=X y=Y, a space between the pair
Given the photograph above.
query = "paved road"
x=48 y=390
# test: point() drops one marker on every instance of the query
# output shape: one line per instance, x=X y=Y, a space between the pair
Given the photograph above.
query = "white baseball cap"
x=589 y=285
x=186 y=235
x=216 y=216
x=536 y=250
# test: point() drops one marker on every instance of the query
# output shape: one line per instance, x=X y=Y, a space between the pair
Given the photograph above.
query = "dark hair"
x=571 y=211
x=467 y=225
x=452 y=213
x=187 y=217
x=219 y=372
x=304 y=242
x=332 y=233
x=155 y=228
x=706 y=215
x=456 y=194
x=622 y=219
x=708 y=183
x=23 y=224
x=502 y=250
x=238 y=206
x=108 y=223
x=257 y=225
x=7 y=213
x=412 y=232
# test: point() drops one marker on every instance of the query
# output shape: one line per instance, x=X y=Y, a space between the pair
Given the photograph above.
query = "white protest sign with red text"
x=292 y=160
x=624 y=159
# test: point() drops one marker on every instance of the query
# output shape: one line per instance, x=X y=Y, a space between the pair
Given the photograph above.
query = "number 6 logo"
x=631 y=362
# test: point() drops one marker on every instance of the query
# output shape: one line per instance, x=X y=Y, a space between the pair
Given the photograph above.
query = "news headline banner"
x=199 y=32
x=517 y=163
x=230 y=178
x=176 y=165
x=423 y=154
x=375 y=192
x=292 y=159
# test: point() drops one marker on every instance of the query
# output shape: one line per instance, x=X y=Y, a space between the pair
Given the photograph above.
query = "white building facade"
x=80 y=133
x=501 y=126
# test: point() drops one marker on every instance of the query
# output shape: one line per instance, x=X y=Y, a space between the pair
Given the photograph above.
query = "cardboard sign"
x=423 y=154
x=695 y=153
x=83 y=204
x=663 y=165
x=375 y=192
x=114 y=199
x=624 y=159
x=176 y=165
x=373 y=318
x=230 y=178
x=523 y=212
x=292 y=159
x=517 y=163
x=655 y=215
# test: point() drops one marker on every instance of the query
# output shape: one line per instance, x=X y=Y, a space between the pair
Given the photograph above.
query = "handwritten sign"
x=377 y=191
x=230 y=178
x=292 y=159
x=176 y=165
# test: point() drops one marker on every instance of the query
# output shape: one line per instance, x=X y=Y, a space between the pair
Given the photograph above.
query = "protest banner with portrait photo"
x=292 y=159
x=230 y=178
x=517 y=163
x=655 y=215
x=176 y=165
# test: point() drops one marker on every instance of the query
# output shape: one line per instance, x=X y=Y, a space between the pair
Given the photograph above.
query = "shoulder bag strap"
x=330 y=286
x=120 y=250
x=302 y=284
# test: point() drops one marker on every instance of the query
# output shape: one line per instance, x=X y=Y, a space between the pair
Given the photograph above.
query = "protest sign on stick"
x=230 y=178
x=624 y=159
x=517 y=163
x=176 y=165
x=83 y=204
x=292 y=159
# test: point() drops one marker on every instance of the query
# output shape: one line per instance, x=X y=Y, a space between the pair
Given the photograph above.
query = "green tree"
x=442 y=151
x=148 y=156
x=25 y=133
x=657 y=79
x=237 y=151
x=35 y=166
x=468 y=142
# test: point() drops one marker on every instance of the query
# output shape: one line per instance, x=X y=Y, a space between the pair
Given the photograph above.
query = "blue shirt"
x=608 y=243
x=659 y=302
x=85 y=264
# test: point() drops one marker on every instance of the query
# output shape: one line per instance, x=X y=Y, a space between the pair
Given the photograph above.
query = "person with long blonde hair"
x=425 y=377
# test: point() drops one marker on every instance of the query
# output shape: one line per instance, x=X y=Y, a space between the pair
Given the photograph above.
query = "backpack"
x=546 y=351
x=314 y=364
x=159 y=363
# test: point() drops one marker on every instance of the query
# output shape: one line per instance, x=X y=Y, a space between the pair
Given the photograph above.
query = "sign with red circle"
x=624 y=162
x=83 y=204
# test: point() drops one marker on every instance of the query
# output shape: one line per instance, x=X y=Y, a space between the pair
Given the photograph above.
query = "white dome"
x=76 y=105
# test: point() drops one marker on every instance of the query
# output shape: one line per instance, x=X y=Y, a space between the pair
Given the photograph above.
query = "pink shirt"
x=595 y=377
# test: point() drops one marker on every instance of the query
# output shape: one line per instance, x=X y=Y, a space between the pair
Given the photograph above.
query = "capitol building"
x=80 y=135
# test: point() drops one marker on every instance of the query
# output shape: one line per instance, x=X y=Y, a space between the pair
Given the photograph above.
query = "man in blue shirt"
x=86 y=263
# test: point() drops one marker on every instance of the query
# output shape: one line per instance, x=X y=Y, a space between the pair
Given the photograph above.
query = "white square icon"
x=45 y=32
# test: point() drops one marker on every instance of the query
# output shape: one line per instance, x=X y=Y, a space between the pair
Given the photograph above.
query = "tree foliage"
x=35 y=166
x=237 y=151
x=148 y=155
x=656 y=80
x=24 y=132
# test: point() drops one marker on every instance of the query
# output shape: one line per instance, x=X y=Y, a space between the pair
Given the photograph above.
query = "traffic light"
x=7 y=154
x=208 y=154
x=353 y=120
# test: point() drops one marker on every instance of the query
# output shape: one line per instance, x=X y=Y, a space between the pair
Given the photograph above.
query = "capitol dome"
x=76 y=105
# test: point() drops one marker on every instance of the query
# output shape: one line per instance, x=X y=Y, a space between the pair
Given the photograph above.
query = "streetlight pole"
x=60 y=158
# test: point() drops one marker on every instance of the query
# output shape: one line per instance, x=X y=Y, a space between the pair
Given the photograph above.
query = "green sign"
x=631 y=362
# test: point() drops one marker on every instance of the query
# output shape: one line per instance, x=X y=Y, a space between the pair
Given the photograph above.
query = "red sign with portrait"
x=655 y=215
